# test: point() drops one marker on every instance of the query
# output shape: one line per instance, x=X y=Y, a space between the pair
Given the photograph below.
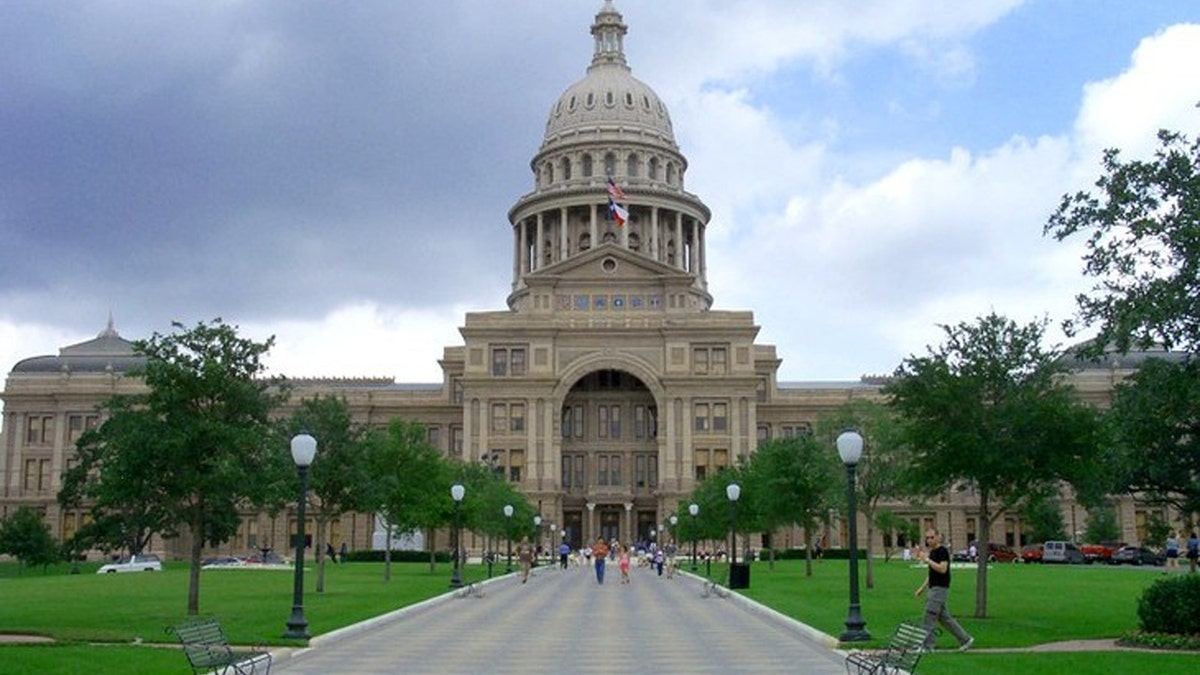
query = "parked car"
x=996 y=553
x=224 y=561
x=140 y=562
x=1031 y=553
x=1136 y=555
x=1098 y=552
x=1062 y=552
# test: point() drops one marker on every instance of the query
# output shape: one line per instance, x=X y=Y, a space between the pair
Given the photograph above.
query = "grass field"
x=96 y=619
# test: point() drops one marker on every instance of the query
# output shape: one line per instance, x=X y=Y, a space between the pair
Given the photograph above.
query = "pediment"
x=606 y=262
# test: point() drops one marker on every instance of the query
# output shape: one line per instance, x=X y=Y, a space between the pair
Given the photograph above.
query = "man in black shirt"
x=938 y=586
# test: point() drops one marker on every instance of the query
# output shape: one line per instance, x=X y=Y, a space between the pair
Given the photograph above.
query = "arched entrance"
x=609 y=445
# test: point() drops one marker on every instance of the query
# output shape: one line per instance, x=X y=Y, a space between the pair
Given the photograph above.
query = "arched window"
x=653 y=168
x=610 y=164
x=549 y=173
x=587 y=166
x=670 y=173
x=566 y=168
x=631 y=165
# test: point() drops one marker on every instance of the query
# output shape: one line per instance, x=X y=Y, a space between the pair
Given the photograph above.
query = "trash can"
x=739 y=575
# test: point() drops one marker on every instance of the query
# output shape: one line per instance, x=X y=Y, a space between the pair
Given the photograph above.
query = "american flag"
x=615 y=190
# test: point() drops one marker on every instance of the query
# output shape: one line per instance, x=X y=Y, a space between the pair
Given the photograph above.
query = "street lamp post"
x=694 y=510
x=508 y=511
x=849 y=447
x=304 y=448
x=537 y=537
x=457 y=492
x=733 y=491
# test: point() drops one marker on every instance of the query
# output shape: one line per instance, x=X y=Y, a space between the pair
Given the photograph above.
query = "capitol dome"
x=609 y=98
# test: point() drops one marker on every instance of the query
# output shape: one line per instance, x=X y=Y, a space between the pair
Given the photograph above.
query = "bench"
x=901 y=655
x=208 y=650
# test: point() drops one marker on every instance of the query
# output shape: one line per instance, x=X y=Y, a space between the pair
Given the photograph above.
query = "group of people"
x=1192 y=552
x=333 y=555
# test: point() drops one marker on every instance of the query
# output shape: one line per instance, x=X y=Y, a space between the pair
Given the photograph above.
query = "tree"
x=987 y=409
x=1142 y=250
x=880 y=470
x=25 y=536
x=1102 y=525
x=339 y=470
x=1042 y=513
x=408 y=479
x=796 y=481
x=193 y=449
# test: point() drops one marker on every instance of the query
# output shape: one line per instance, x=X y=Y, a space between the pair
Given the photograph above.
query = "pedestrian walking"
x=1193 y=552
x=525 y=557
x=1172 y=553
x=937 y=583
x=623 y=564
x=564 y=552
x=600 y=554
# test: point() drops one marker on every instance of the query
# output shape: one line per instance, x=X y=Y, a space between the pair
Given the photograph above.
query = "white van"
x=1062 y=552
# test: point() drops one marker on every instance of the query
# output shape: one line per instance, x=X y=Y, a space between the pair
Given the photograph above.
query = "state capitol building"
x=605 y=391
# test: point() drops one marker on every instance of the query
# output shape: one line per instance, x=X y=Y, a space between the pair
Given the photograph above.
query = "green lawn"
x=1028 y=605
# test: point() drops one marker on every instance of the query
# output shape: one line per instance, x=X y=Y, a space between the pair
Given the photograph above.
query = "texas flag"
x=618 y=212
x=615 y=190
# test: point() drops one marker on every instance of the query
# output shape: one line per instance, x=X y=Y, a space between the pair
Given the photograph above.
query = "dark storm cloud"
x=267 y=159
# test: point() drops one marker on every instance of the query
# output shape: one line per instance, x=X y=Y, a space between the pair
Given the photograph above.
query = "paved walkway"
x=563 y=621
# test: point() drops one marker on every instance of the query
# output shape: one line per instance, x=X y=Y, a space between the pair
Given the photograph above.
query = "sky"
x=338 y=175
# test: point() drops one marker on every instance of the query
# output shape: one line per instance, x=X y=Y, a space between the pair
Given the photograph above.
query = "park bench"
x=209 y=651
x=901 y=655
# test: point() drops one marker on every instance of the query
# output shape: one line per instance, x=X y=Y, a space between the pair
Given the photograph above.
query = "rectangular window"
x=499 y=418
x=639 y=421
x=517 y=359
x=718 y=361
x=639 y=471
x=457 y=392
x=252 y=534
x=566 y=423
x=614 y=418
x=764 y=434
x=720 y=459
x=566 y=472
x=40 y=430
x=602 y=470
x=44 y=475
x=653 y=470
x=77 y=424
x=434 y=436
x=499 y=362
x=31 y=475
x=516 y=417
x=701 y=464
x=720 y=420
x=516 y=465
x=603 y=426
x=580 y=471
x=700 y=361
x=702 y=419
x=579 y=421
x=614 y=471
x=456 y=441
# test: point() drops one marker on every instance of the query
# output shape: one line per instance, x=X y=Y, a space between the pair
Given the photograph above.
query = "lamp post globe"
x=304 y=450
x=849 y=447
x=457 y=492
x=537 y=536
x=694 y=510
x=508 y=511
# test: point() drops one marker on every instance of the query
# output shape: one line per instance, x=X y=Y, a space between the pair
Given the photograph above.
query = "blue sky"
x=874 y=168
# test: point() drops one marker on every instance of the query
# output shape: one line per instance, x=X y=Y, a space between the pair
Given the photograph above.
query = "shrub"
x=1171 y=606
x=397 y=556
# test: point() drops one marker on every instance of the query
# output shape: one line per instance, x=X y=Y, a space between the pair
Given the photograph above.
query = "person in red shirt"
x=938 y=586
x=600 y=555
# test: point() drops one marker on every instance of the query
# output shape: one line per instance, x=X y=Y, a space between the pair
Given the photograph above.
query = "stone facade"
x=605 y=391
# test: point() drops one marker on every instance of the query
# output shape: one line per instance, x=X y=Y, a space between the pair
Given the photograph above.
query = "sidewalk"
x=563 y=621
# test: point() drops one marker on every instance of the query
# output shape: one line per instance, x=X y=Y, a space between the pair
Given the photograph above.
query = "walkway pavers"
x=562 y=621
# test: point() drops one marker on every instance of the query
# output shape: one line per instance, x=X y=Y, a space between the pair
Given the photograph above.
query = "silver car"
x=141 y=562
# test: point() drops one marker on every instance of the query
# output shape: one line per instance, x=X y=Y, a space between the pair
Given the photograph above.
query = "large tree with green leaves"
x=195 y=448
x=794 y=482
x=408 y=480
x=986 y=409
x=339 y=471
x=880 y=471
x=25 y=536
x=1141 y=225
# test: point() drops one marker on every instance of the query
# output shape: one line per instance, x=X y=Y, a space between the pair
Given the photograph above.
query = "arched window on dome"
x=631 y=165
x=566 y=168
x=586 y=171
x=653 y=168
x=609 y=99
x=629 y=99
x=610 y=165
x=670 y=173
x=548 y=173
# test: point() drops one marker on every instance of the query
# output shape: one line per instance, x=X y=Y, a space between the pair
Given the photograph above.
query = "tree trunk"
x=197 y=527
x=985 y=532
x=387 y=554
x=431 y=535
x=321 y=544
x=870 y=550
